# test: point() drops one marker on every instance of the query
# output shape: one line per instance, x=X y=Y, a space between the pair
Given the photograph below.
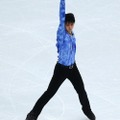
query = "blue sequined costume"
x=66 y=43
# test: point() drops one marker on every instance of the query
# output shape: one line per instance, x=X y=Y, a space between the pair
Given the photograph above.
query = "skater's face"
x=69 y=27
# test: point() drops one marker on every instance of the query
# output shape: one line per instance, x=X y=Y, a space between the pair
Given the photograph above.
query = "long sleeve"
x=62 y=12
x=61 y=28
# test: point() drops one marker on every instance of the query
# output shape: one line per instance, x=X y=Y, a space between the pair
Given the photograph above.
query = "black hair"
x=69 y=17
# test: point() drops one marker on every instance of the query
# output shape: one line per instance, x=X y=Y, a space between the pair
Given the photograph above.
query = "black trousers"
x=62 y=72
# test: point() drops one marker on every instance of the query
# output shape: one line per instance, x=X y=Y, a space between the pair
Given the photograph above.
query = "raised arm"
x=62 y=12
x=61 y=28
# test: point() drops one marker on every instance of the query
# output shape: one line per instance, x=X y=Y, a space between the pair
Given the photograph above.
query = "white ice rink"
x=28 y=55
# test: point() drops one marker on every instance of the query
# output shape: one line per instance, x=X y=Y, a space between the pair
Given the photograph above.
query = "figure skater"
x=65 y=67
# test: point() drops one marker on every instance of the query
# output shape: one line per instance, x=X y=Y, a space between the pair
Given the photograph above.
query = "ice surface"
x=28 y=55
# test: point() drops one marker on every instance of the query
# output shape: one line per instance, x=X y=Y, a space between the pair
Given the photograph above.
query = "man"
x=65 y=67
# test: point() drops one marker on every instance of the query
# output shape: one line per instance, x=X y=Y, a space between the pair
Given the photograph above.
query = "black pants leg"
x=77 y=81
x=59 y=75
x=57 y=79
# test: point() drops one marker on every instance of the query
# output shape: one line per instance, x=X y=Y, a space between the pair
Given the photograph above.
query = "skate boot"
x=31 y=116
x=89 y=114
